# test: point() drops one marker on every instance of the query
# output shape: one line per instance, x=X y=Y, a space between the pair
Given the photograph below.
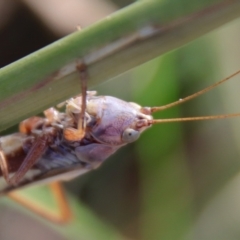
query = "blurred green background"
x=179 y=180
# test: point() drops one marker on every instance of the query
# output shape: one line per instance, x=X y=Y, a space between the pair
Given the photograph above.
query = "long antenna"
x=155 y=109
x=155 y=121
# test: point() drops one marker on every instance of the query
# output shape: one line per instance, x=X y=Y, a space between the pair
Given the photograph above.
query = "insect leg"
x=31 y=123
x=64 y=213
x=62 y=203
x=83 y=77
x=72 y=134
x=32 y=157
x=51 y=114
x=27 y=125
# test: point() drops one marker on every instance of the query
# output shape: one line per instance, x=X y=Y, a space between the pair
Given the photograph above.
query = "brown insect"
x=64 y=145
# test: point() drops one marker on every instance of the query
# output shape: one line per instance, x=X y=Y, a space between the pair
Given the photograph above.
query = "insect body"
x=110 y=123
x=65 y=145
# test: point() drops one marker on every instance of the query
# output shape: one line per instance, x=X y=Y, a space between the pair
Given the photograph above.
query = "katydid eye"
x=130 y=135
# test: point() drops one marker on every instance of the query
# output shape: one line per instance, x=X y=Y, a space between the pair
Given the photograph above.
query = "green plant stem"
x=108 y=48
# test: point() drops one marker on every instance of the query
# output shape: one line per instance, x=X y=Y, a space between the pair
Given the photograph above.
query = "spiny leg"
x=83 y=77
x=36 y=151
x=72 y=134
x=32 y=156
x=64 y=213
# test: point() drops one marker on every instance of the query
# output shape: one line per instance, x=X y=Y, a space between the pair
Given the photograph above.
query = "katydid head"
x=114 y=122
x=123 y=122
